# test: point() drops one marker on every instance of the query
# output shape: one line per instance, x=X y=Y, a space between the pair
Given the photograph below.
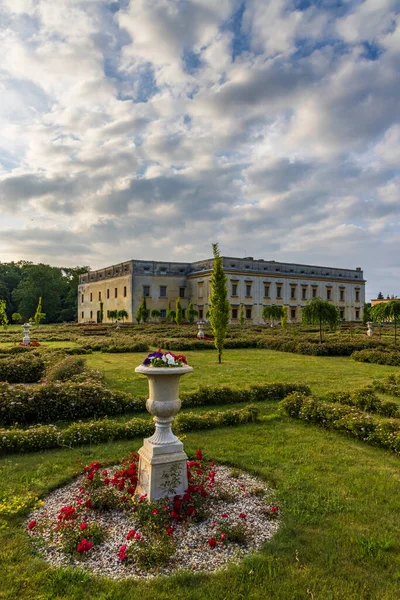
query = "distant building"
x=253 y=283
x=380 y=300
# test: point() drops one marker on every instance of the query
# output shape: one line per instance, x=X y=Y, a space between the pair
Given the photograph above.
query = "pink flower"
x=212 y=542
x=31 y=525
x=223 y=537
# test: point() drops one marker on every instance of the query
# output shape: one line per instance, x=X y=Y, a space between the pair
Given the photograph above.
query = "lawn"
x=245 y=367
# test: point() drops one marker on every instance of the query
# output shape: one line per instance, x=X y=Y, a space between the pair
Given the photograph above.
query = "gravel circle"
x=233 y=493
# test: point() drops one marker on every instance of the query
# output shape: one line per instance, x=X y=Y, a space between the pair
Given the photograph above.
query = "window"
x=83 y=298
x=116 y=293
x=163 y=313
x=266 y=291
x=304 y=293
x=248 y=313
x=342 y=314
x=279 y=291
x=293 y=292
x=357 y=314
x=83 y=315
x=292 y=313
x=182 y=291
x=328 y=294
x=357 y=296
x=146 y=291
x=200 y=313
x=342 y=295
x=163 y=291
x=91 y=296
x=314 y=292
x=234 y=313
x=99 y=295
x=108 y=294
x=124 y=291
x=91 y=315
x=234 y=289
x=248 y=289
x=200 y=291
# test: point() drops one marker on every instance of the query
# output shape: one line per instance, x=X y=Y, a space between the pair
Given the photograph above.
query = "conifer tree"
x=241 y=315
x=39 y=316
x=178 y=311
x=219 y=304
x=191 y=313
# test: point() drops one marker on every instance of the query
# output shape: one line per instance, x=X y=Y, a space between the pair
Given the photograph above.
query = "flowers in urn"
x=164 y=359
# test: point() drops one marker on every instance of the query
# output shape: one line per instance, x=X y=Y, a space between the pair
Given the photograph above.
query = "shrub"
x=349 y=419
x=380 y=357
x=22 y=369
x=367 y=400
x=389 y=385
x=208 y=395
x=43 y=437
x=65 y=369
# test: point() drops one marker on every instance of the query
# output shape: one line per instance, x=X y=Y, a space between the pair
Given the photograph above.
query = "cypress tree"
x=219 y=304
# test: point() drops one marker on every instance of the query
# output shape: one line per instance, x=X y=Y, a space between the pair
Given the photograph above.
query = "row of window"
x=107 y=295
x=162 y=291
x=234 y=292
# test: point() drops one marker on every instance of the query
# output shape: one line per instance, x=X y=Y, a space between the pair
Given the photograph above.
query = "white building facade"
x=253 y=283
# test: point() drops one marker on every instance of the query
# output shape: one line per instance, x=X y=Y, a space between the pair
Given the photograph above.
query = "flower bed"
x=97 y=523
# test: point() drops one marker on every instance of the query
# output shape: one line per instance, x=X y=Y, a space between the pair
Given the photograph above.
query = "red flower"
x=131 y=534
x=67 y=513
x=84 y=546
x=169 y=530
x=242 y=516
x=190 y=511
x=224 y=515
x=274 y=509
x=143 y=498
x=31 y=524
x=154 y=511
x=83 y=526
x=223 y=537
x=88 y=503
x=106 y=481
x=138 y=536
x=122 y=553
x=212 y=542
x=199 y=454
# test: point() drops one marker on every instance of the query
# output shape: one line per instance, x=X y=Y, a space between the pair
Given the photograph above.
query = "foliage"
x=112 y=314
x=21 y=369
x=16 y=317
x=320 y=312
x=284 y=317
x=379 y=357
x=155 y=314
x=178 y=312
x=242 y=319
x=39 y=315
x=272 y=313
x=191 y=312
x=170 y=313
x=101 y=312
x=388 y=385
x=366 y=399
x=387 y=311
x=65 y=369
x=3 y=314
x=367 y=313
x=142 y=314
x=219 y=303
x=123 y=314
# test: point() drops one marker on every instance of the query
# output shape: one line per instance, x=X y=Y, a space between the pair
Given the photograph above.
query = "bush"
x=44 y=437
x=208 y=395
x=65 y=369
x=379 y=357
x=349 y=419
x=367 y=400
x=389 y=385
x=22 y=369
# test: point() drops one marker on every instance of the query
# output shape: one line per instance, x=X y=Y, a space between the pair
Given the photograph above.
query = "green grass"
x=244 y=367
x=339 y=537
x=44 y=344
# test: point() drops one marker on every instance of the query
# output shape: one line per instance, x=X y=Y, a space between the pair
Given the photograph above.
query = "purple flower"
x=147 y=361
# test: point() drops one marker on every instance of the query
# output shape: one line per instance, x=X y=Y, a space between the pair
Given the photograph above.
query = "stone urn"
x=26 y=339
x=200 y=334
x=162 y=462
x=370 y=331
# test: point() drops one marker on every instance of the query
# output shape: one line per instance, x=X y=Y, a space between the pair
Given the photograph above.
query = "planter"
x=162 y=464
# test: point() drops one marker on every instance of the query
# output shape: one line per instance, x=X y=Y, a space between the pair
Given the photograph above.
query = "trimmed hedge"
x=45 y=437
x=116 y=346
x=388 y=385
x=83 y=399
x=21 y=369
x=367 y=400
x=379 y=357
x=348 y=419
x=65 y=369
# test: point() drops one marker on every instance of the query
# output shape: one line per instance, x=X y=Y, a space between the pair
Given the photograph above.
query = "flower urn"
x=26 y=339
x=162 y=463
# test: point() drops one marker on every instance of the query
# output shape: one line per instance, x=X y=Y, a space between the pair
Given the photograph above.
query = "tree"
x=41 y=281
x=142 y=313
x=320 y=312
x=112 y=314
x=170 y=313
x=387 y=311
x=155 y=314
x=284 y=317
x=122 y=314
x=191 y=313
x=39 y=315
x=380 y=296
x=219 y=304
x=367 y=312
x=242 y=319
x=101 y=312
x=272 y=313
x=179 y=314
x=16 y=317
x=3 y=314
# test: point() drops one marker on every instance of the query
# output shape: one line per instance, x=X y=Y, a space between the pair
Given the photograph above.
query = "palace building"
x=253 y=283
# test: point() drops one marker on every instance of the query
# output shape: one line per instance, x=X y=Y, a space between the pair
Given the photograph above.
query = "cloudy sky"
x=151 y=128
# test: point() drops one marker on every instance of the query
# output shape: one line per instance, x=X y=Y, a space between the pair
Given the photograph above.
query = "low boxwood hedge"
x=345 y=418
x=22 y=369
x=45 y=437
x=367 y=400
x=379 y=357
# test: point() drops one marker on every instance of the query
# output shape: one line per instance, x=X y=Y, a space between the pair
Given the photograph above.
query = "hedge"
x=79 y=400
x=22 y=369
x=388 y=385
x=45 y=437
x=380 y=357
x=367 y=400
x=349 y=419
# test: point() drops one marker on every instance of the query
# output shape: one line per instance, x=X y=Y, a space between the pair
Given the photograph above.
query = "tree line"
x=23 y=283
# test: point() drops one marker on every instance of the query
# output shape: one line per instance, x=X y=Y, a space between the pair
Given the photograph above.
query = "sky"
x=152 y=128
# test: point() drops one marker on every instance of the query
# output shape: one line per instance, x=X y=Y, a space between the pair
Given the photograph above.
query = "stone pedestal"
x=26 y=339
x=162 y=463
x=370 y=331
x=200 y=333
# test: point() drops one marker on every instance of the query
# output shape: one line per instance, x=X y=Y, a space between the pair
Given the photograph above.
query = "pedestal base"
x=162 y=470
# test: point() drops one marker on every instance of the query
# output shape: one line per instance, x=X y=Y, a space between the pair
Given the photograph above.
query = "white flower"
x=164 y=358
x=170 y=359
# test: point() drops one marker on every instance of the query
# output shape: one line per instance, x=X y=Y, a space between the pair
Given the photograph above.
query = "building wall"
x=146 y=277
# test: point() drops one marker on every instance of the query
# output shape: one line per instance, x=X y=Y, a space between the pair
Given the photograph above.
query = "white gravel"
x=249 y=495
